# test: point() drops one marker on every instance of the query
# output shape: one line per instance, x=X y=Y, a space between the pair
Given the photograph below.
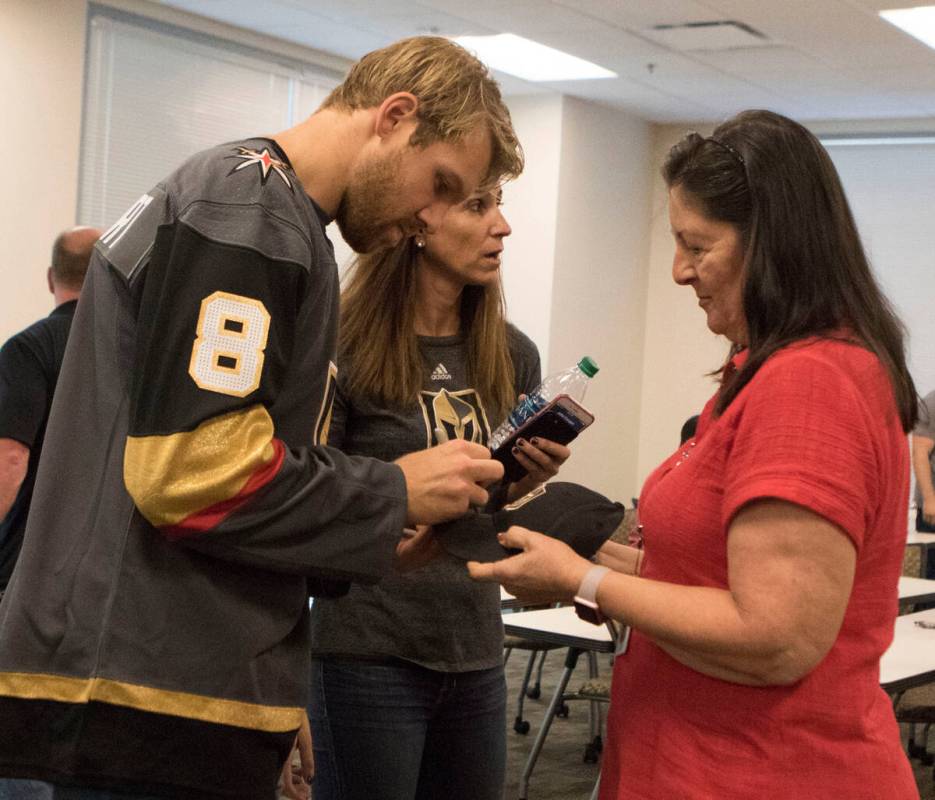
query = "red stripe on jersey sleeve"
x=209 y=518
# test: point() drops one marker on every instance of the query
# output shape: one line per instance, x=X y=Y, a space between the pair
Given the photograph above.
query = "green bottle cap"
x=588 y=366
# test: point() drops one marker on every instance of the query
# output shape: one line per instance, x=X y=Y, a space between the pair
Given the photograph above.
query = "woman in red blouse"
x=767 y=589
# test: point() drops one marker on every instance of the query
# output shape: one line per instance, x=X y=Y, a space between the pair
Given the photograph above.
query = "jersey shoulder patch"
x=127 y=243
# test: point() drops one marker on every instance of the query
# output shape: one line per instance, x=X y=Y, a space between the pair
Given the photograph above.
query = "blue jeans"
x=397 y=731
x=17 y=789
x=20 y=789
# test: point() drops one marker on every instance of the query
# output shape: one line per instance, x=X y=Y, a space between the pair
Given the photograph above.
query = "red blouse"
x=816 y=426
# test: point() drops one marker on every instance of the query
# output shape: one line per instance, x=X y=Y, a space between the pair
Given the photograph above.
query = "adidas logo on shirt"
x=440 y=373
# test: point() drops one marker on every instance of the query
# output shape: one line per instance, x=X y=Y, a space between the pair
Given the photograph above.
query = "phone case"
x=559 y=421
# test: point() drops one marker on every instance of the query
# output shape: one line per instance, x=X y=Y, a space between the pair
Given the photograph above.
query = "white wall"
x=41 y=71
x=599 y=288
x=530 y=205
x=679 y=349
x=574 y=268
x=891 y=189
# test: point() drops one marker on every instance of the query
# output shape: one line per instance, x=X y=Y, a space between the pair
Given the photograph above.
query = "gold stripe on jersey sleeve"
x=172 y=477
x=59 y=688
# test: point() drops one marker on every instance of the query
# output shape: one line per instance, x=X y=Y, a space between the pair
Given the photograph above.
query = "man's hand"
x=444 y=481
x=417 y=548
x=547 y=567
x=296 y=779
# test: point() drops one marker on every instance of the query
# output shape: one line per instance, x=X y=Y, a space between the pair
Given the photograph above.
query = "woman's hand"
x=546 y=567
x=542 y=460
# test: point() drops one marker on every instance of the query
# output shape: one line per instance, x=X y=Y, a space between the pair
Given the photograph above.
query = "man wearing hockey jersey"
x=154 y=637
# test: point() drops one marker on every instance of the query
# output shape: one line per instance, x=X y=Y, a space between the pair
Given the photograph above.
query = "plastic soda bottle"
x=572 y=381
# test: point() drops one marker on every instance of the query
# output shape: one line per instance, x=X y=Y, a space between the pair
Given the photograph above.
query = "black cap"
x=574 y=514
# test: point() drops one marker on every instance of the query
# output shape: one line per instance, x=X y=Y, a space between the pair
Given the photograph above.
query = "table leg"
x=594 y=710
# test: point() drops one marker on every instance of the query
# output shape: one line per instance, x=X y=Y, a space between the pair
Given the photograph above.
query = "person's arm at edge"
x=14 y=460
x=921 y=465
x=619 y=557
x=24 y=405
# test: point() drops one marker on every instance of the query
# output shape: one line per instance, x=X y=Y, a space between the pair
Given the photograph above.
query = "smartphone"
x=559 y=421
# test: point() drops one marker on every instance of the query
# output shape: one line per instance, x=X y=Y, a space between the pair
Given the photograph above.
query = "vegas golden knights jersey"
x=155 y=633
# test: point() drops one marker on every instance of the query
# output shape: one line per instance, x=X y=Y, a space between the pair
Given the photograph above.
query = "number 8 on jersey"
x=227 y=356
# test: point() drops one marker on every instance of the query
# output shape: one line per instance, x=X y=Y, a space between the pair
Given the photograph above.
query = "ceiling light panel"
x=918 y=22
x=530 y=60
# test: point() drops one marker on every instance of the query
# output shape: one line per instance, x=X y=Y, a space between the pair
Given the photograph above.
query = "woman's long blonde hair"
x=378 y=341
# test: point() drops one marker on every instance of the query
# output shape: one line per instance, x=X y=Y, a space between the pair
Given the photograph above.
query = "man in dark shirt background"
x=29 y=365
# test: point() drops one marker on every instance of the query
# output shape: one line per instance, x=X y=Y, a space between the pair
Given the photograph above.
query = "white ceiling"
x=822 y=59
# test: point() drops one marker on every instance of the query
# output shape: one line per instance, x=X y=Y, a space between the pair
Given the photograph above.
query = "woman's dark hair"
x=805 y=270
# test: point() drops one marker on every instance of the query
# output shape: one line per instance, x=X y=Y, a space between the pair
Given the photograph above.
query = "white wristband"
x=589 y=583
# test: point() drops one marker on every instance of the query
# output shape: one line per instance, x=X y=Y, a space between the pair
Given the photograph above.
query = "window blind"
x=155 y=95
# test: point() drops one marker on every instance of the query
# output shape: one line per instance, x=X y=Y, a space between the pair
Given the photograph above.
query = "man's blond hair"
x=455 y=90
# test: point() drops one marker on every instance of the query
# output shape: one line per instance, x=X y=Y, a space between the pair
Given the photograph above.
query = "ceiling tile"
x=881 y=5
x=707 y=36
x=781 y=70
x=290 y=23
x=394 y=20
x=916 y=80
x=523 y=18
x=632 y=94
x=609 y=44
x=636 y=15
x=833 y=31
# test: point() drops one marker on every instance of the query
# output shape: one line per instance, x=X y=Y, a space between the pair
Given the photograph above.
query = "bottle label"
x=526 y=409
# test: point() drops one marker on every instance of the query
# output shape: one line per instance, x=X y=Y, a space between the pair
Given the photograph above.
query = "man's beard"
x=365 y=215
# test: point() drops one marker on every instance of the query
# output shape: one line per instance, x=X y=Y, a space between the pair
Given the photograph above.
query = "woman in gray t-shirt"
x=408 y=693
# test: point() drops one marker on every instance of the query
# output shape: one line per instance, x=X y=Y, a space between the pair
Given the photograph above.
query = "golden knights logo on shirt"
x=453 y=415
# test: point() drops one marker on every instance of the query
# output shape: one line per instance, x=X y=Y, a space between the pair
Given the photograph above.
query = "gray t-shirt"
x=926 y=427
x=435 y=616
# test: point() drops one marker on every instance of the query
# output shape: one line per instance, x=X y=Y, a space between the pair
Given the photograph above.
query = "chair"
x=536 y=649
x=595 y=690
x=916 y=706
